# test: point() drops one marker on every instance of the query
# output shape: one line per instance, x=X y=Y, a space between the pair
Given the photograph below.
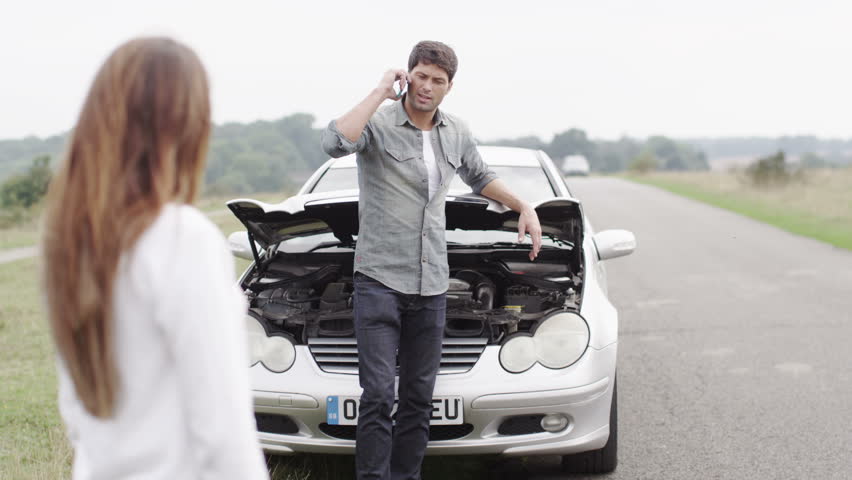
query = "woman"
x=140 y=288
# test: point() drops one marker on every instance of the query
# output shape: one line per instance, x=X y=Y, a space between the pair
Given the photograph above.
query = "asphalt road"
x=735 y=354
x=14 y=254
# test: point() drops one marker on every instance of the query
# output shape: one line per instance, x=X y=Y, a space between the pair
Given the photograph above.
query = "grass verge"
x=19 y=227
x=32 y=439
x=819 y=206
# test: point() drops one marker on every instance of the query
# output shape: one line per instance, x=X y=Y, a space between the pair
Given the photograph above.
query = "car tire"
x=603 y=460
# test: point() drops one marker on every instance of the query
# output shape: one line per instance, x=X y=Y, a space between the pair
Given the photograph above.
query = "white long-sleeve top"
x=184 y=408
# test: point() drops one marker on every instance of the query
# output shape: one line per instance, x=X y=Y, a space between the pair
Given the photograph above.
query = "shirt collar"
x=402 y=115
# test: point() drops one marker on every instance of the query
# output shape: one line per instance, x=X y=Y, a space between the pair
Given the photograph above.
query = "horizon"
x=318 y=125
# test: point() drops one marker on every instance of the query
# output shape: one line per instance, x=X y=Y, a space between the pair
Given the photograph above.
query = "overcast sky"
x=672 y=67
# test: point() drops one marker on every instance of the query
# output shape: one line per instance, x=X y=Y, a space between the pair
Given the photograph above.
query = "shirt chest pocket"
x=454 y=159
x=403 y=155
x=448 y=168
x=406 y=163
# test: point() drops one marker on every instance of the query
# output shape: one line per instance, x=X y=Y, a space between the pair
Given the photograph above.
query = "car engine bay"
x=491 y=293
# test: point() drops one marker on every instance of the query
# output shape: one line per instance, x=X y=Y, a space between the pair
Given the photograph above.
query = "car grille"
x=436 y=432
x=340 y=355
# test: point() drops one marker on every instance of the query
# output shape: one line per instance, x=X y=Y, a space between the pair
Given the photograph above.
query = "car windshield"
x=529 y=183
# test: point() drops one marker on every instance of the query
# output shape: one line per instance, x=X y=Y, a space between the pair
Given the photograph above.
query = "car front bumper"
x=581 y=392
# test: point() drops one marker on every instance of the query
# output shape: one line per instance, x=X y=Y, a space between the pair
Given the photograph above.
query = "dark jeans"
x=387 y=321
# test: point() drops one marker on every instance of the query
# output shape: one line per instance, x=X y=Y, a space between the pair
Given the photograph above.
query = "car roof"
x=492 y=155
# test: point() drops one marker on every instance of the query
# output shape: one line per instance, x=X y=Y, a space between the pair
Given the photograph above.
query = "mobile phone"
x=401 y=92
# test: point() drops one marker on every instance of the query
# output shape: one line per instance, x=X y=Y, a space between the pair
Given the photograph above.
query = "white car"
x=575 y=165
x=529 y=356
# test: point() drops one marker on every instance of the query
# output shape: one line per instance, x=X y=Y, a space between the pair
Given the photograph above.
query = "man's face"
x=427 y=87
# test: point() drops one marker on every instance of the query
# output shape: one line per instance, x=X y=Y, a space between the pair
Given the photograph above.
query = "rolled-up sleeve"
x=337 y=145
x=473 y=171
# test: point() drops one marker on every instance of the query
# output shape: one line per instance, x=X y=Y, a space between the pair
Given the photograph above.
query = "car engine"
x=489 y=296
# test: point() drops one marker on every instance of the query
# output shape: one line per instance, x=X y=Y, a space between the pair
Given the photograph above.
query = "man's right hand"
x=352 y=124
x=388 y=79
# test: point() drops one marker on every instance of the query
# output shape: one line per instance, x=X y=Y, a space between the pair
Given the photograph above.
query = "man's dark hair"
x=436 y=53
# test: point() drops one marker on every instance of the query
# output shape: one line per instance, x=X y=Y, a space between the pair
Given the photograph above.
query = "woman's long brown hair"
x=140 y=142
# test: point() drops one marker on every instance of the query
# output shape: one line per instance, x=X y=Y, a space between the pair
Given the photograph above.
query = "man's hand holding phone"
x=387 y=84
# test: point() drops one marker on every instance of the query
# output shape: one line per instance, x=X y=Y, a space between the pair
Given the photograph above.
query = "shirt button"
x=423 y=259
x=424 y=234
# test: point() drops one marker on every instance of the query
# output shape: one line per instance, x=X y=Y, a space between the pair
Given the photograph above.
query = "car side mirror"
x=614 y=243
x=240 y=246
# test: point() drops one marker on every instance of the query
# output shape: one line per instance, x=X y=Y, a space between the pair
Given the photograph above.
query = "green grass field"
x=818 y=206
x=32 y=439
x=18 y=236
x=22 y=233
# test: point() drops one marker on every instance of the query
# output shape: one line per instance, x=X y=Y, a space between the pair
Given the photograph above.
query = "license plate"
x=342 y=410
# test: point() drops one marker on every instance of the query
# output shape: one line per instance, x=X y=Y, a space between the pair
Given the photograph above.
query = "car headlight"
x=558 y=342
x=518 y=354
x=561 y=339
x=277 y=353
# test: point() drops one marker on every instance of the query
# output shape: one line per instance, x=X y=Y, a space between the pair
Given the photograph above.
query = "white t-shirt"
x=184 y=406
x=431 y=164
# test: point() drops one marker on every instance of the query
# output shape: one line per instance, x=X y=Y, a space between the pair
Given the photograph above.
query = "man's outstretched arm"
x=527 y=222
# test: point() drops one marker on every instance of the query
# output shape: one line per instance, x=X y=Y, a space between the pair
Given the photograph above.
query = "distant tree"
x=645 y=162
x=614 y=156
x=16 y=155
x=571 y=142
x=27 y=189
x=770 y=171
x=298 y=128
x=263 y=156
x=675 y=155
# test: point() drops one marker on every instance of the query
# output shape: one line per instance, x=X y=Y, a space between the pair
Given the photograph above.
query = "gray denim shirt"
x=401 y=240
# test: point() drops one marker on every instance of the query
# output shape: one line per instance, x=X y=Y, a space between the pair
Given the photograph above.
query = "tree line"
x=262 y=156
x=608 y=156
x=836 y=151
x=277 y=155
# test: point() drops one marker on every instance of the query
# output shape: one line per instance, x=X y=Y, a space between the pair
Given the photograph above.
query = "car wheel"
x=603 y=460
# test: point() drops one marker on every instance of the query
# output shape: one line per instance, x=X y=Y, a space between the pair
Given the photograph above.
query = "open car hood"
x=561 y=218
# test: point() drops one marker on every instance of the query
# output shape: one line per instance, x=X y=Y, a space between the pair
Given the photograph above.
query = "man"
x=408 y=153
